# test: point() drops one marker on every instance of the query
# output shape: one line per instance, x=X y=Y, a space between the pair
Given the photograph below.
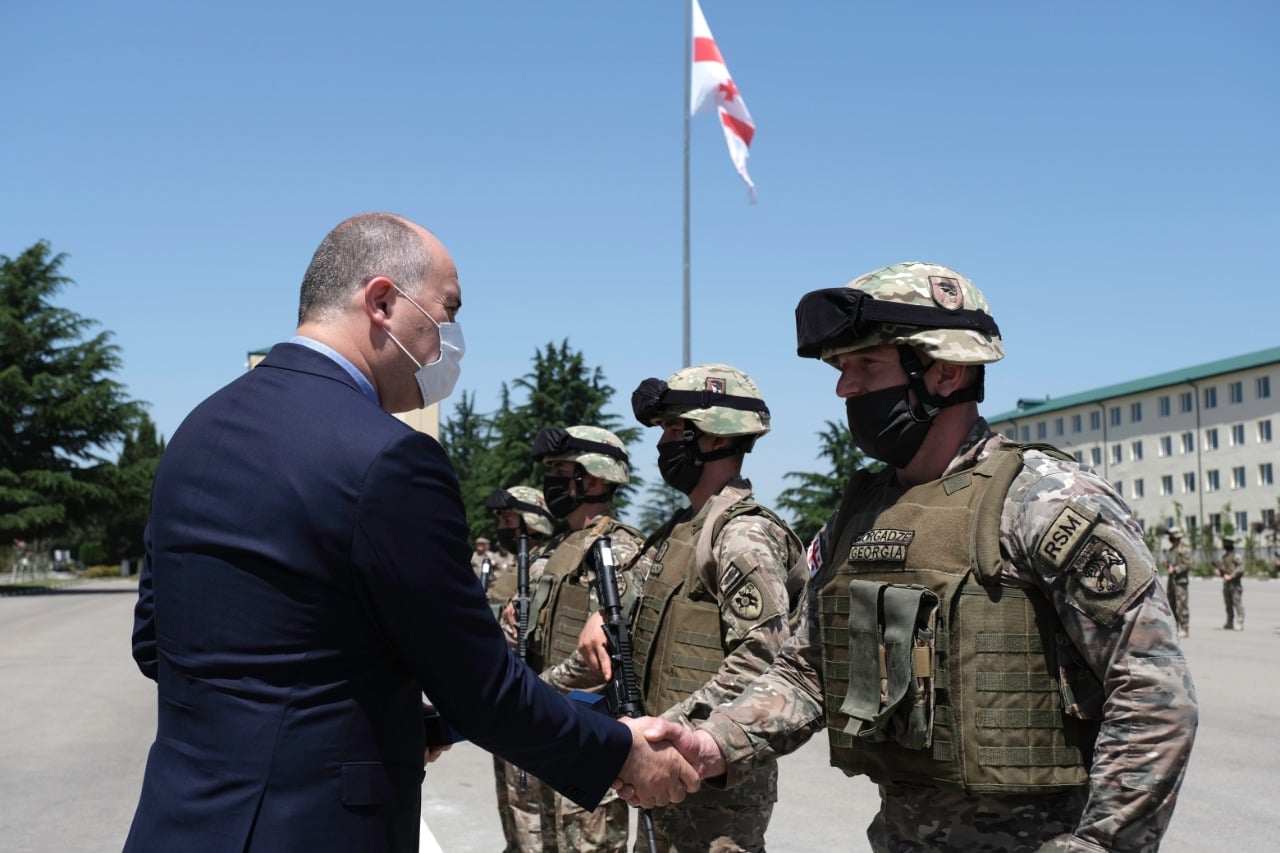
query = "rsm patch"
x=1065 y=534
x=881 y=545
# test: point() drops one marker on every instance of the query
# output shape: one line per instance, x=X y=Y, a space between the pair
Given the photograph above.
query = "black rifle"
x=622 y=692
x=522 y=621
x=486 y=573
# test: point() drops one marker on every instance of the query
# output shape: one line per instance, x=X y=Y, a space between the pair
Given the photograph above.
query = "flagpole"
x=688 y=70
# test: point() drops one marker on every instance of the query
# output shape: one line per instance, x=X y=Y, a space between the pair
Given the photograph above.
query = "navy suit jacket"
x=307 y=575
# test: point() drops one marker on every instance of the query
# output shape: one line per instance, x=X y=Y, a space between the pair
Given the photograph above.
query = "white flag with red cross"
x=710 y=84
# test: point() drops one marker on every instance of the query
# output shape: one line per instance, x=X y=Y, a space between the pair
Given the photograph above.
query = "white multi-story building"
x=1202 y=437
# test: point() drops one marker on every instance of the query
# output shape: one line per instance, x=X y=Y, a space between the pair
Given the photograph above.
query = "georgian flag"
x=710 y=83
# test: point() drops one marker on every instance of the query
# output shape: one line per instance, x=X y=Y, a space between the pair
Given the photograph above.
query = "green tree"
x=125 y=519
x=561 y=390
x=818 y=494
x=59 y=407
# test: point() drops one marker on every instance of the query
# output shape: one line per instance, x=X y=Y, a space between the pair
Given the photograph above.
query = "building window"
x=1237 y=435
x=1166 y=445
x=1058 y=426
x=1135 y=412
x=1095 y=420
x=1263 y=387
x=1242 y=521
x=1096 y=456
x=1215 y=521
x=1264 y=431
x=1189 y=482
x=1166 y=484
x=1026 y=433
x=1211 y=438
x=1211 y=482
x=1011 y=433
x=1237 y=477
x=1211 y=398
x=1120 y=488
x=1075 y=423
x=1165 y=408
x=1191 y=522
x=1042 y=431
x=1135 y=450
x=1115 y=454
x=1138 y=488
x=1079 y=457
x=1188 y=442
x=1265 y=477
x=1235 y=392
x=1115 y=416
x=1269 y=519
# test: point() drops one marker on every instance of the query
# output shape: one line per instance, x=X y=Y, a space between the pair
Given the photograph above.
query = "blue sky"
x=1105 y=172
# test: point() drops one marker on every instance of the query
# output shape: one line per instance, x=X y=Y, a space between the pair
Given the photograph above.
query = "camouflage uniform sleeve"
x=754 y=560
x=1068 y=533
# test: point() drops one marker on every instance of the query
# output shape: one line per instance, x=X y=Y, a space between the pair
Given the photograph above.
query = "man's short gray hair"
x=357 y=250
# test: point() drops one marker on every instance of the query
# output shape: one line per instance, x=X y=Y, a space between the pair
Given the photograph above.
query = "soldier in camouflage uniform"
x=524 y=510
x=720 y=584
x=1178 y=562
x=1231 y=569
x=584 y=465
x=984 y=637
x=479 y=553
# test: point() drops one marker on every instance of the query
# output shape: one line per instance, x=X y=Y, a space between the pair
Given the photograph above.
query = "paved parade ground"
x=76 y=719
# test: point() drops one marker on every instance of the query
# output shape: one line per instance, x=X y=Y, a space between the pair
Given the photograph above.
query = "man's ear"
x=951 y=377
x=378 y=298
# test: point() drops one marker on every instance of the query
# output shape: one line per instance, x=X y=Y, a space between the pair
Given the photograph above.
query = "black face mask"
x=679 y=464
x=884 y=427
x=509 y=538
x=560 y=499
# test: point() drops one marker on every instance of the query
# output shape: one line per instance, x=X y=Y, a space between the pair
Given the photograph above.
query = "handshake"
x=666 y=762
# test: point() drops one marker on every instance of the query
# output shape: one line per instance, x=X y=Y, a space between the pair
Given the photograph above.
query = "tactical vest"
x=936 y=673
x=677 y=644
x=566 y=601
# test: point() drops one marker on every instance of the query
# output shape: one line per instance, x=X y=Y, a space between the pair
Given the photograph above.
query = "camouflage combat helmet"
x=537 y=518
x=718 y=399
x=598 y=451
x=927 y=306
x=1174 y=532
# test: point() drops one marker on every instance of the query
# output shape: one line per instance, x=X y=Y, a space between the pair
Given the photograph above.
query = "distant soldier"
x=720 y=584
x=584 y=468
x=1231 y=569
x=1177 y=562
x=522 y=510
x=479 y=555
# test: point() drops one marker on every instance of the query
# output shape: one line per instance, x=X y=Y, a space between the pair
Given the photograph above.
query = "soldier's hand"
x=509 y=615
x=434 y=752
x=655 y=773
x=594 y=648
x=695 y=746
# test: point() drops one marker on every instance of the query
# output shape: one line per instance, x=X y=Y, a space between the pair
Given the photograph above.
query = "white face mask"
x=436 y=380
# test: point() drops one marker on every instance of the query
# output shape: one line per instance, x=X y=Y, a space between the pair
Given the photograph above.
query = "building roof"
x=1031 y=408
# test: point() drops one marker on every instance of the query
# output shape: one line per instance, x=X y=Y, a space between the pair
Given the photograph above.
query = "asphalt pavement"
x=76 y=720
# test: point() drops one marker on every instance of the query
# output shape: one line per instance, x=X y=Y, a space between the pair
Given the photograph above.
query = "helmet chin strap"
x=929 y=404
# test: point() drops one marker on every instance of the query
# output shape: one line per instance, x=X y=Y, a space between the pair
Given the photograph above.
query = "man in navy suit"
x=308 y=578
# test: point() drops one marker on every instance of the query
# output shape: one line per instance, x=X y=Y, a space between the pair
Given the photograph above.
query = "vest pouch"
x=892 y=644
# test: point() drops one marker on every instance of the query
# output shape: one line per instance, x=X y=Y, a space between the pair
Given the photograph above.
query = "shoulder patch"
x=747 y=602
x=1060 y=541
x=1099 y=569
